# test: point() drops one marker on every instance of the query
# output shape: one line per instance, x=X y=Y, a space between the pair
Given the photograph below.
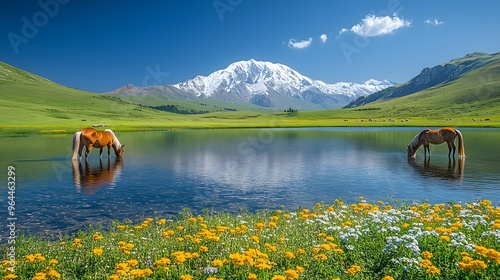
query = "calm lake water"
x=231 y=170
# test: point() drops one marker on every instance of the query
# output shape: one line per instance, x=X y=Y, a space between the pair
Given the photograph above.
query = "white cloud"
x=434 y=22
x=323 y=38
x=372 y=26
x=292 y=43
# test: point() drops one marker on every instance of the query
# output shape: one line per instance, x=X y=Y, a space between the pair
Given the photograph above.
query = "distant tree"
x=290 y=111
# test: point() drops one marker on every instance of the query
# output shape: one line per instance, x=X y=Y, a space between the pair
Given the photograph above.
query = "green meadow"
x=32 y=105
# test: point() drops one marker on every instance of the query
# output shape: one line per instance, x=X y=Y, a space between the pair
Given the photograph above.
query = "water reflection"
x=88 y=179
x=453 y=172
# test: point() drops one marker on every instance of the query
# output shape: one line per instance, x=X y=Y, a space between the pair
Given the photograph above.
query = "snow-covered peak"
x=260 y=77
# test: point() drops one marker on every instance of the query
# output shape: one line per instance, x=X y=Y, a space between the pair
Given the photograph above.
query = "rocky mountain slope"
x=430 y=77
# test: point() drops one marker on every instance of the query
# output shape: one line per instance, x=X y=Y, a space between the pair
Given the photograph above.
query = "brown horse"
x=90 y=137
x=437 y=136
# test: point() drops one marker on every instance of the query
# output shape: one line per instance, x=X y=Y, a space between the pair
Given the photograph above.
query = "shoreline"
x=19 y=131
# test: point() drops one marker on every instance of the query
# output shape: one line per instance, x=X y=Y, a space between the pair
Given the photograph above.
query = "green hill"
x=474 y=96
x=431 y=77
x=31 y=103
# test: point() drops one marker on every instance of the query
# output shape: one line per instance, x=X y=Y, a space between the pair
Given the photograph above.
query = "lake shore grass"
x=236 y=120
x=379 y=240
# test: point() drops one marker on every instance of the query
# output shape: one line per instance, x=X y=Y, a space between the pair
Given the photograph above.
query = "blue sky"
x=102 y=45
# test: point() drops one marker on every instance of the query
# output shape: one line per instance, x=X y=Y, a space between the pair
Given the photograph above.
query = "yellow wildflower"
x=445 y=238
x=259 y=226
x=132 y=263
x=300 y=269
x=98 y=251
x=289 y=255
x=141 y=272
x=9 y=276
x=271 y=247
x=218 y=262
x=40 y=276
x=291 y=274
x=320 y=257
x=433 y=270
x=203 y=249
x=353 y=269
x=272 y=225
x=52 y=274
x=97 y=236
x=255 y=238
x=168 y=233
x=179 y=257
x=35 y=258
x=427 y=255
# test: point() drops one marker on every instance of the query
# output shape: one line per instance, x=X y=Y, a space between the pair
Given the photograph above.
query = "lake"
x=232 y=170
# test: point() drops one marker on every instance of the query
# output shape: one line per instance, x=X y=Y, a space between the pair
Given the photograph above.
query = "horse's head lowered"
x=119 y=151
x=412 y=152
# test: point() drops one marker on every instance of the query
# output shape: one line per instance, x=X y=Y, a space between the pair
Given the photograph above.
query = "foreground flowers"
x=337 y=241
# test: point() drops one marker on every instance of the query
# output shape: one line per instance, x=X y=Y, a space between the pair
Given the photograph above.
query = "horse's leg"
x=89 y=148
x=109 y=151
x=100 y=152
x=80 y=150
x=428 y=149
x=427 y=162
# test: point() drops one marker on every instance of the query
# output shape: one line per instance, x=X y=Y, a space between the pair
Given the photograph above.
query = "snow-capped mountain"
x=269 y=85
x=261 y=83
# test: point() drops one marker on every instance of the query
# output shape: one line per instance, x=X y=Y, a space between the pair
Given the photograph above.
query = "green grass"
x=31 y=104
x=336 y=241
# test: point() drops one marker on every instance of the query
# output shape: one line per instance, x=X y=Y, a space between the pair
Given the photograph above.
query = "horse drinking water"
x=90 y=137
x=437 y=136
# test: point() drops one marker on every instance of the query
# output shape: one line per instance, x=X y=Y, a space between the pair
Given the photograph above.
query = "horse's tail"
x=461 y=149
x=76 y=144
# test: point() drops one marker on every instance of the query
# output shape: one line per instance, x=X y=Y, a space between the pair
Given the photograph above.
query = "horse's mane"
x=118 y=145
x=415 y=141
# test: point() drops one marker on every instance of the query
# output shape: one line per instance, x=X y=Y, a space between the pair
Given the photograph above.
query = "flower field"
x=331 y=241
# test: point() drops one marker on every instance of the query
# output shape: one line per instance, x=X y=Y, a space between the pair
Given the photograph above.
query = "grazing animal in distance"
x=437 y=136
x=92 y=138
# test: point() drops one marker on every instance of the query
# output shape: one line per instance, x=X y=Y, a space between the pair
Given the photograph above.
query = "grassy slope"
x=32 y=104
x=475 y=96
x=210 y=105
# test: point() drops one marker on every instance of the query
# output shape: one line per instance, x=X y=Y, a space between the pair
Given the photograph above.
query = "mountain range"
x=263 y=84
x=438 y=75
